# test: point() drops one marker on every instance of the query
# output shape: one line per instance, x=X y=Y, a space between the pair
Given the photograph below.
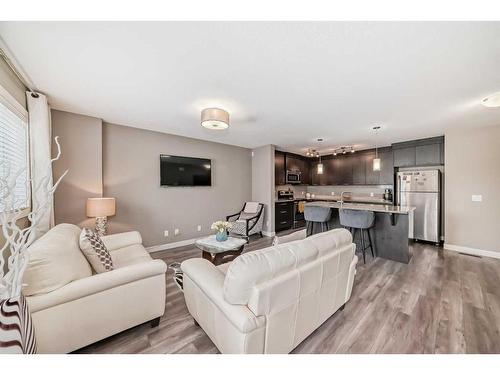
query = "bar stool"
x=362 y=220
x=316 y=214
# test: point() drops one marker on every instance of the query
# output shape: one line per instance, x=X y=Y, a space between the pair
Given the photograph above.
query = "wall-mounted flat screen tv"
x=184 y=171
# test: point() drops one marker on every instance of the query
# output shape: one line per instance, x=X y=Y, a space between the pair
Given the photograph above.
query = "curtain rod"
x=17 y=74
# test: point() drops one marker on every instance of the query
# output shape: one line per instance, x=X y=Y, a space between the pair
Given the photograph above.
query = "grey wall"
x=131 y=165
x=263 y=183
x=473 y=168
x=81 y=145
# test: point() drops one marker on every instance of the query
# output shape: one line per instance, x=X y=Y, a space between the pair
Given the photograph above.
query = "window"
x=14 y=151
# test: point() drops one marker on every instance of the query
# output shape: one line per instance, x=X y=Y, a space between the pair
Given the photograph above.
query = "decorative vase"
x=17 y=334
x=221 y=236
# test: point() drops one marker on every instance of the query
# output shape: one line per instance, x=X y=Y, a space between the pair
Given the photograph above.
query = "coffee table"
x=220 y=252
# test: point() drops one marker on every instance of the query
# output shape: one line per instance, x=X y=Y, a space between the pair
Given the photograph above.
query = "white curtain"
x=40 y=136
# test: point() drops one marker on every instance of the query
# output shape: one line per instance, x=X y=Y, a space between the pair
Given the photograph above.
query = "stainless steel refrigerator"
x=421 y=189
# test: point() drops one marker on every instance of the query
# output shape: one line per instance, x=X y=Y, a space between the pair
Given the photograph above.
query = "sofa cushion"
x=256 y=267
x=95 y=251
x=129 y=255
x=55 y=260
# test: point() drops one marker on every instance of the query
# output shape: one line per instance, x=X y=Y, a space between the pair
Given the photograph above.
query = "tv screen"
x=183 y=171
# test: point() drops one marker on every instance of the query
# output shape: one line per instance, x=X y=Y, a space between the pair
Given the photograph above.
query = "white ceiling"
x=285 y=83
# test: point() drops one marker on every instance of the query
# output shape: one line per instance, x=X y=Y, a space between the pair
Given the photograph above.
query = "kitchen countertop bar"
x=391 y=231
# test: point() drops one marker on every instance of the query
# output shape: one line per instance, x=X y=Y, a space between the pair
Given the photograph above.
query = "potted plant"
x=221 y=227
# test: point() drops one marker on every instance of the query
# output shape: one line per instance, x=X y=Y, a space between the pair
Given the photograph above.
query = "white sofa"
x=268 y=301
x=91 y=306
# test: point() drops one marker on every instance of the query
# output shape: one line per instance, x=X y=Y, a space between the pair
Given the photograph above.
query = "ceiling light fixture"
x=376 y=161
x=320 y=164
x=343 y=150
x=492 y=101
x=214 y=119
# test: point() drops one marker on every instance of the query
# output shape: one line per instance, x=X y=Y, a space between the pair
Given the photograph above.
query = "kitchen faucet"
x=342 y=197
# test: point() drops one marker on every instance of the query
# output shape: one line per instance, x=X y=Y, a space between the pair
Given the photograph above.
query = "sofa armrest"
x=210 y=281
x=97 y=283
x=119 y=240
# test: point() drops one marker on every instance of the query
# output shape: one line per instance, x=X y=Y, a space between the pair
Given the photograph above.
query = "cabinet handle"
x=283 y=222
x=283 y=212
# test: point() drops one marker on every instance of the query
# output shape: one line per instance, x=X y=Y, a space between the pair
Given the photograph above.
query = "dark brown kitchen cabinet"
x=359 y=161
x=372 y=177
x=279 y=168
x=428 y=154
x=319 y=179
x=305 y=170
x=341 y=172
x=404 y=157
x=386 y=167
x=283 y=215
x=293 y=162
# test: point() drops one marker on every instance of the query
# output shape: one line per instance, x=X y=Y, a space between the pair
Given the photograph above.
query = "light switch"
x=477 y=198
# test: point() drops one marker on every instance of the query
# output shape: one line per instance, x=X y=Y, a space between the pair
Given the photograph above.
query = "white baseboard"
x=268 y=234
x=472 y=251
x=171 y=245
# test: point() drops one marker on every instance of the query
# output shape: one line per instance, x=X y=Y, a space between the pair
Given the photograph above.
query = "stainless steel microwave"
x=292 y=177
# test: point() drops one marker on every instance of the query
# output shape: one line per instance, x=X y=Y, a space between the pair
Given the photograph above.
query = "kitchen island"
x=391 y=231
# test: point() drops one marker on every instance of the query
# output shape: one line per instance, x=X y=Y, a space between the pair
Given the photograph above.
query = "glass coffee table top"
x=213 y=246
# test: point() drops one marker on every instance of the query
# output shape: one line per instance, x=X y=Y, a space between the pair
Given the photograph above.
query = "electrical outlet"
x=165 y=233
x=198 y=228
x=477 y=198
x=371 y=194
x=176 y=231
x=332 y=193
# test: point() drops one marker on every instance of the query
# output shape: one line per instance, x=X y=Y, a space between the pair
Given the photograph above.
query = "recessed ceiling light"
x=214 y=119
x=492 y=101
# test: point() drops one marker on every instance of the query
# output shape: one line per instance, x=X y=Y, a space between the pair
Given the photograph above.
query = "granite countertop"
x=385 y=208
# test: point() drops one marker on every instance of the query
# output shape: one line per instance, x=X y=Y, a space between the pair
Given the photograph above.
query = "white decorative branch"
x=17 y=240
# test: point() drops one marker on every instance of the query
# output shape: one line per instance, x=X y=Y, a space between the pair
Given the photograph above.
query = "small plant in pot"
x=221 y=227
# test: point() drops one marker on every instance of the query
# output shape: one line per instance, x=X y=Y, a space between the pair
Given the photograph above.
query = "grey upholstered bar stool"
x=362 y=220
x=316 y=214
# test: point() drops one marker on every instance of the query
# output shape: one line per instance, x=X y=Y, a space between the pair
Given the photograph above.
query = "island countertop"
x=384 y=208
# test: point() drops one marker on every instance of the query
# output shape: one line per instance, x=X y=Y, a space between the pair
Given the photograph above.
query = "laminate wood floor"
x=441 y=302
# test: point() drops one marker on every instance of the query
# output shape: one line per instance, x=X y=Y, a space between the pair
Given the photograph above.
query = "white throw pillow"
x=95 y=251
x=54 y=261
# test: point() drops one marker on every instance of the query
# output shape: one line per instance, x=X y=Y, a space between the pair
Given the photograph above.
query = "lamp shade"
x=376 y=164
x=215 y=119
x=101 y=207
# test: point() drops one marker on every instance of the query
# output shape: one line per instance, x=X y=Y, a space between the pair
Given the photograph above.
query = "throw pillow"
x=95 y=251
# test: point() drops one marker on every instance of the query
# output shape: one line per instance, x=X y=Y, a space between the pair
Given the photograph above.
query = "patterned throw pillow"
x=95 y=251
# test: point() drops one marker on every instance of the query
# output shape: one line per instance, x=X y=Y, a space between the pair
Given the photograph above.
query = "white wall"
x=473 y=168
x=263 y=183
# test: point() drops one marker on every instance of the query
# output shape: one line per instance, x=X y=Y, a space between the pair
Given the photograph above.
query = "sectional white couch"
x=268 y=301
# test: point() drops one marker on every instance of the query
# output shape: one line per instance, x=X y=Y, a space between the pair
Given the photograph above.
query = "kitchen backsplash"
x=360 y=191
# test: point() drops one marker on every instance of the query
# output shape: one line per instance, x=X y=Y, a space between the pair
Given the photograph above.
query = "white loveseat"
x=86 y=307
x=268 y=301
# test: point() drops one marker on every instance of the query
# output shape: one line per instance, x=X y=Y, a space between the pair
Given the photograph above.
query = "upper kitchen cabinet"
x=299 y=163
x=422 y=152
x=429 y=154
x=279 y=168
x=386 y=176
x=404 y=157
x=372 y=177
x=340 y=171
x=319 y=179
x=359 y=165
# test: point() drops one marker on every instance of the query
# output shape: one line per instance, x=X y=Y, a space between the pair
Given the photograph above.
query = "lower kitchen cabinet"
x=283 y=216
